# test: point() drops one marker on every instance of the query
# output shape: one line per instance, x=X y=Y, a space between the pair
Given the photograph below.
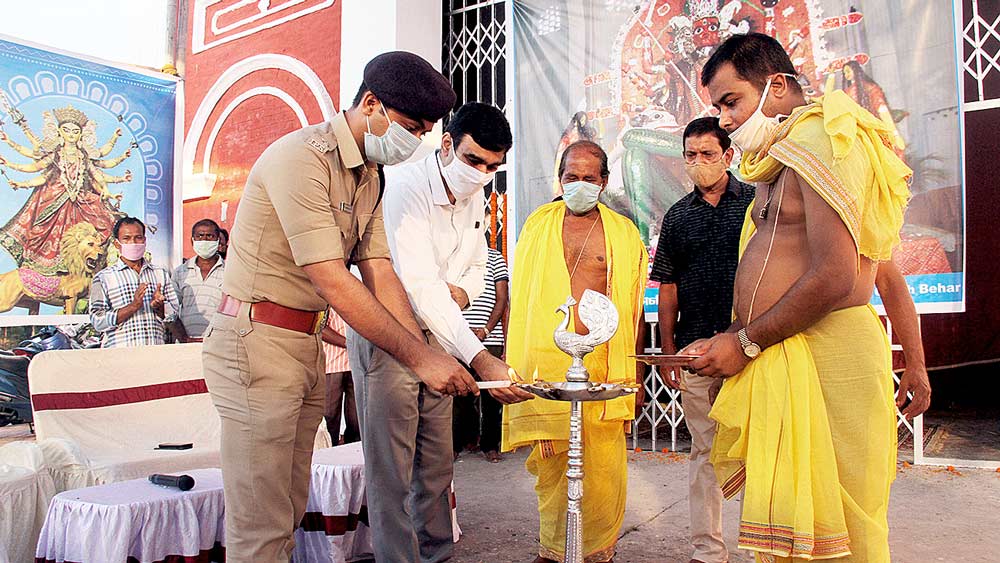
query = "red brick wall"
x=313 y=39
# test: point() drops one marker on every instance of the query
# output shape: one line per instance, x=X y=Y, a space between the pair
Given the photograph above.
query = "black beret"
x=407 y=83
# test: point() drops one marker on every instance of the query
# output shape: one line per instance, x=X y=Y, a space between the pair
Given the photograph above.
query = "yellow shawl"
x=541 y=284
x=844 y=153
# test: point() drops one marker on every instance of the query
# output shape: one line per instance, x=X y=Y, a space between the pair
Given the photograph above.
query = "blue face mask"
x=580 y=197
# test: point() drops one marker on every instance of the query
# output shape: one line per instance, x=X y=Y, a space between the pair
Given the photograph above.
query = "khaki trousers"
x=705 y=495
x=268 y=385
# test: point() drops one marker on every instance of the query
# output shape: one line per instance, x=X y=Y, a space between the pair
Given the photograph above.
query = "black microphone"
x=182 y=482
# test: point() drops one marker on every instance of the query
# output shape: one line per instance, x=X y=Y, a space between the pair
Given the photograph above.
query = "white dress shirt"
x=434 y=243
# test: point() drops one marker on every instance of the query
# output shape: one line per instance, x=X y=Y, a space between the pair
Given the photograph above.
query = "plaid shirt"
x=113 y=288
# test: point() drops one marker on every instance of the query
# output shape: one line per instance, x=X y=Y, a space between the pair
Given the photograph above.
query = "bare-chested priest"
x=567 y=247
x=808 y=423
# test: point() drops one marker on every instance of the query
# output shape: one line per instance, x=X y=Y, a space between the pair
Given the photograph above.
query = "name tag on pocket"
x=346 y=207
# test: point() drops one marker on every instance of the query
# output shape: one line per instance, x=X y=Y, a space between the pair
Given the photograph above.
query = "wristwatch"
x=750 y=349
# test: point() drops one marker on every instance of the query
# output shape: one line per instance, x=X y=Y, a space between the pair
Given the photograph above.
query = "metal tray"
x=672 y=360
x=565 y=391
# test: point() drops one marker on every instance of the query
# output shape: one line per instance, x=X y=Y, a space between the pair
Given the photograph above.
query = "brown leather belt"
x=309 y=322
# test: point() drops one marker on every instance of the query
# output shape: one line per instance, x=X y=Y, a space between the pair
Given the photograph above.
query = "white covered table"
x=25 y=490
x=335 y=526
x=19 y=501
x=136 y=521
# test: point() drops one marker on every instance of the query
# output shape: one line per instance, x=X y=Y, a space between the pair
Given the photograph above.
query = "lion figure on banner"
x=81 y=248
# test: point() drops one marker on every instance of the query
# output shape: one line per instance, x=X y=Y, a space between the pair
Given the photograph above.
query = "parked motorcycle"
x=15 y=400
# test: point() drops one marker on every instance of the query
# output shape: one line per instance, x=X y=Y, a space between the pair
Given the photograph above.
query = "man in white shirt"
x=198 y=283
x=433 y=212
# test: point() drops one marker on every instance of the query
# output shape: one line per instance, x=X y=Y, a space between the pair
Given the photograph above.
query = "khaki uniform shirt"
x=309 y=198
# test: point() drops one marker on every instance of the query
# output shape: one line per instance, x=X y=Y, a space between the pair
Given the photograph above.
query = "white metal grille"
x=663 y=404
x=980 y=45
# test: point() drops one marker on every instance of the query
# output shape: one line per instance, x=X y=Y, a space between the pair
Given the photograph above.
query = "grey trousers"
x=406 y=438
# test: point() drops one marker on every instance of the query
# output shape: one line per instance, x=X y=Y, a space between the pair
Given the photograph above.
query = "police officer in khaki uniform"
x=312 y=207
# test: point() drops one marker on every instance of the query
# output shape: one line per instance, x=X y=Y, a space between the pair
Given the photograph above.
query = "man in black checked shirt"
x=695 y=263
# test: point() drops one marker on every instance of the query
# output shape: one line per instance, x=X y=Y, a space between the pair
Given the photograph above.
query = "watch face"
x=752 y=350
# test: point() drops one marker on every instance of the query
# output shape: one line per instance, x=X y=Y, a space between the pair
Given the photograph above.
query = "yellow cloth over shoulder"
x=541 y=284
x=845 y=154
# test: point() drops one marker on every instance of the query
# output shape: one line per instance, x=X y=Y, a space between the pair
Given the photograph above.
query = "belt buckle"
x=320 y=321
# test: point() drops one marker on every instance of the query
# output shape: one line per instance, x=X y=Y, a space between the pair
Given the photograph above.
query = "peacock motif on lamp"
x=599 y=315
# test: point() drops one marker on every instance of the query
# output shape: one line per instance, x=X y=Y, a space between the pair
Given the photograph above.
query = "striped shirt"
x=698 y=251
x=478 y=313
x=199 y=297
x=113 y=288
x=336 y=357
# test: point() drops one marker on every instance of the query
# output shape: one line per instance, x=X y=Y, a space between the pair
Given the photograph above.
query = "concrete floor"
x=935 y=515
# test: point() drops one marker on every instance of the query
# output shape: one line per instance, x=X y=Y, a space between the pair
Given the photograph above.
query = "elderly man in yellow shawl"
x=807 y=423
x=567 y=247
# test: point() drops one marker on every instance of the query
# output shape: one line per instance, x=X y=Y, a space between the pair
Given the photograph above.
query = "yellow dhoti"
x=814 y=419
x=541 y=284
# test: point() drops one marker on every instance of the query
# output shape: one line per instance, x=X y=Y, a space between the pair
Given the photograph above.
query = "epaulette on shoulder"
x=318 y=143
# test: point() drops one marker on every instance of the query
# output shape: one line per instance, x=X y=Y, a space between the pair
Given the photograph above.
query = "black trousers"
x=477 y=418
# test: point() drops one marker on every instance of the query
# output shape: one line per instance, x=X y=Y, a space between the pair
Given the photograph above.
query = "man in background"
x=198 y=283
x=340 y=402
x=223 y=242
x=129 y=299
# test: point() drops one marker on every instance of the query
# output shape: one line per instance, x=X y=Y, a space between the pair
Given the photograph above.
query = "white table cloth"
x=25 y=491
x=135 y=521
x=335 y=526
x=138 y=522
x=22 y=497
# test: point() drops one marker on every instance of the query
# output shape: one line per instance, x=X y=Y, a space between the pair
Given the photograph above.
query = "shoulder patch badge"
x=319 y=143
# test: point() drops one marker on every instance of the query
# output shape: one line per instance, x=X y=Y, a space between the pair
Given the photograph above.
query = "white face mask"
x=394 y=146
x=205 y=248
x=463 y=179
x=580 y=197
x=755 y=131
